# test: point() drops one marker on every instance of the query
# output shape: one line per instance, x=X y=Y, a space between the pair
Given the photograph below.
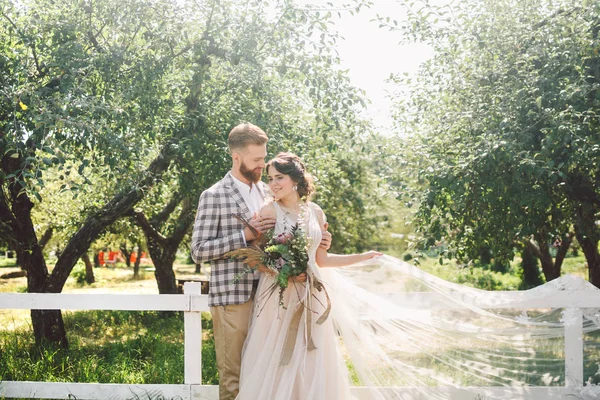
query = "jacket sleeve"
x=206 y=244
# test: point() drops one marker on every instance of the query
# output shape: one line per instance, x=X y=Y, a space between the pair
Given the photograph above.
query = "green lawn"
x=108 y=347
x=105 y=346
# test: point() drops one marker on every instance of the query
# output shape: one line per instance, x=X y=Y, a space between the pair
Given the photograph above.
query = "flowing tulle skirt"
x=313 y=372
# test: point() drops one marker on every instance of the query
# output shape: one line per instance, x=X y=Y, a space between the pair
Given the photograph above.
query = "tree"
x=125 y=90
x=505 y=122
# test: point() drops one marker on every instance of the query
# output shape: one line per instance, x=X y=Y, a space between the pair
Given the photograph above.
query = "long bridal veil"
x=410 y=335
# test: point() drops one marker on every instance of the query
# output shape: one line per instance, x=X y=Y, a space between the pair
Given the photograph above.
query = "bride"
x=408 y=335
x=291 y=351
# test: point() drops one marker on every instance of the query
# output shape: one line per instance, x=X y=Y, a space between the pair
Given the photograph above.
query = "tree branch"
x=186 y=219
x=161 y=217
x=147 y=227
x=30 y=45
x=117 y=207
x=533 y=246
x=46 y=237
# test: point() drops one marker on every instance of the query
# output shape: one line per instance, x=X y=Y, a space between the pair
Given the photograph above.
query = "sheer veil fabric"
x=403 y=328
x=402 y=332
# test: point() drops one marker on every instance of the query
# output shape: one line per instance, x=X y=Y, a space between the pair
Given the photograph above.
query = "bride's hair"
x=290 y=164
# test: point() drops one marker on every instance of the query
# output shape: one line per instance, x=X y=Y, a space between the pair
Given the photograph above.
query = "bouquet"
x=282 y=256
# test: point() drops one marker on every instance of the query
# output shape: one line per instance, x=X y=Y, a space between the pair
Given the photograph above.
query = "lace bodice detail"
x=284 y=224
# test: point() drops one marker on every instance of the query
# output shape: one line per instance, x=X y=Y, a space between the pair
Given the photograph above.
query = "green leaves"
x=499 y=116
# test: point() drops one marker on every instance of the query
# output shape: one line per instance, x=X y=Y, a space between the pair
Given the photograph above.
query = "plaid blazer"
x=217 y=232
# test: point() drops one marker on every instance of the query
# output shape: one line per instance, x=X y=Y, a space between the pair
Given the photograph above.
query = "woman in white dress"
x=291 y=352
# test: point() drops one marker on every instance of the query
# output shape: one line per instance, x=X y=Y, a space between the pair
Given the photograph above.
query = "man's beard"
x=253 y=175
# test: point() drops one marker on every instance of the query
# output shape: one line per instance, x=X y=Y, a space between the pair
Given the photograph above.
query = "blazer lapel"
x=236 y=195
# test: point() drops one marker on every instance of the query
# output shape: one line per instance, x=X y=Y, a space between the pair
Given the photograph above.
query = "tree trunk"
x=19 y=260
x=590 y=249
x=163 y=249
x=563 y=248
x=531 y=272
x=588 y=236
x=46 y=237
x=540 y=248
x=48 y=325
x=542 y=252
x=89 y=269
x=127 y=254
x=163 y=258
x=138 y=260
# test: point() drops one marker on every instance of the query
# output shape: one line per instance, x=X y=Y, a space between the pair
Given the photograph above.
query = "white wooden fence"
x=192 y=303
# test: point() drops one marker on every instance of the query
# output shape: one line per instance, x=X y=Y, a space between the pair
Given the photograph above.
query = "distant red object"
x=101 y=261
x=112 y=257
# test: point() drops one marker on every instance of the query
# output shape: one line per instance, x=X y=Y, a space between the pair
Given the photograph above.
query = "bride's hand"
x=299 y=278
x=325 y=238
x=371 y=254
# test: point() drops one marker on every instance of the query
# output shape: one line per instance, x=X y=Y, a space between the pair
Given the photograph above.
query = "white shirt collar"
x=252 y=197
x=242 y=186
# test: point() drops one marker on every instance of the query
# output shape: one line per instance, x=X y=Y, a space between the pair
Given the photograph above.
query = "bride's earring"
x=295 y=188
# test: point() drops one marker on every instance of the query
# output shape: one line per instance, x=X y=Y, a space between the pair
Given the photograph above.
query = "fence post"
x=192 y=337
x=573 y=321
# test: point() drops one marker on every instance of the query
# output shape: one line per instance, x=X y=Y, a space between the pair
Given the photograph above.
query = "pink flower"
x=283 y=238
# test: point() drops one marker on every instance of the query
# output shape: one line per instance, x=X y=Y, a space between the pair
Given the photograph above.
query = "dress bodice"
x=284 y=223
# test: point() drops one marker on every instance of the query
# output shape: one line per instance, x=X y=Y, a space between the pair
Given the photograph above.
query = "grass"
x=108 y=347
x=105 y=346
x=7 y=262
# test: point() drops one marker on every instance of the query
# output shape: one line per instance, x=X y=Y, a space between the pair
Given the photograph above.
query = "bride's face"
x=281 y=185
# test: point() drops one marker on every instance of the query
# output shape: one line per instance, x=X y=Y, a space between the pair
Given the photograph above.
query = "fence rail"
x=192 y=303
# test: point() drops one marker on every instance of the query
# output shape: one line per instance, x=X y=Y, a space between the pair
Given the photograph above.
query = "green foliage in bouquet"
x=283 y=256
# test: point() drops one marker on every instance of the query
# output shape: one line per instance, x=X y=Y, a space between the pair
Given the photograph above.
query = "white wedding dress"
x=280 y=362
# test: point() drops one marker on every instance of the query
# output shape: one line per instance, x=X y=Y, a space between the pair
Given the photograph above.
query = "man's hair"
x=245 y=134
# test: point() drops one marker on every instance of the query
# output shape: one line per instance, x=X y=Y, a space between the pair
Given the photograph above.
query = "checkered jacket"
x=217 y=232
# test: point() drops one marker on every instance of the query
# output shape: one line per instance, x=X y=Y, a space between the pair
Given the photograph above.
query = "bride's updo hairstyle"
x=290 y=164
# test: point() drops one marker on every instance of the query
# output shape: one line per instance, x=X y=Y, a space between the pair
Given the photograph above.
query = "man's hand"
x=259 y=223
x=326 y=239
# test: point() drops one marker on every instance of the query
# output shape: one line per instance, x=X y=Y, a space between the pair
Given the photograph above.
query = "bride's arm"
x=267 y=212
x=266 y=217
x=324 y=259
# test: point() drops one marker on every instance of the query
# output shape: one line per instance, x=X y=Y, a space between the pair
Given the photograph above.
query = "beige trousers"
x=230 y=328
